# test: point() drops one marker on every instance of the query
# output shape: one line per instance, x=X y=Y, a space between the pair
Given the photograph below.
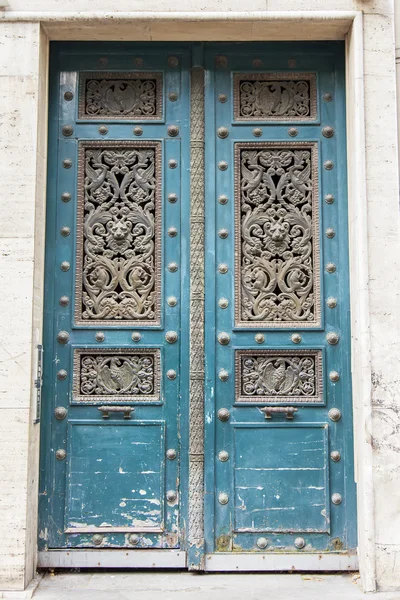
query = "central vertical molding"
x=196 y=403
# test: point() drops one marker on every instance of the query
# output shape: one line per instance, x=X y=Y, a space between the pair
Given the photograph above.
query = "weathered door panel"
x=280 y=468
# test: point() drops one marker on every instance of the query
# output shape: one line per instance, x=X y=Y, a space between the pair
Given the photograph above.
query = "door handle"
x=106 y=410
x=269 y=410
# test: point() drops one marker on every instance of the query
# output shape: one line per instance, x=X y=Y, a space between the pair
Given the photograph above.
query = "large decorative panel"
x=276 y=376
x=277 y=235
x=116 y=375
x=116 y=96
x=275 y=97
x=118 y=233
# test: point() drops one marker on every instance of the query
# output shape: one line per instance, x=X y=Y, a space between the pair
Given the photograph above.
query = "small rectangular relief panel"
x=118 y=264
x=269 y=97
x=277 y=235
x=281 y=479
x=130 y=96
x=116 y=375
x=278 y=376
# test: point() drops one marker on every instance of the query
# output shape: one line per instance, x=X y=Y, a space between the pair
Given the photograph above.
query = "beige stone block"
x=387 y=570
x=18 y=47
x=137 y=5
x=379 y=44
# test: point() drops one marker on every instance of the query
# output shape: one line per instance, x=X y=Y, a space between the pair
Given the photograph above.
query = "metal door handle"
x=106 y=410
x=289 y=410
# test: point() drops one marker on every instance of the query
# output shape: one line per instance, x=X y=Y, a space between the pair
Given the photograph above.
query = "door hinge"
x=38 y=382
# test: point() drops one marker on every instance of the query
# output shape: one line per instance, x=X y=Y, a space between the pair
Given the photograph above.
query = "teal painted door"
x=115 y=287
x=279 y=443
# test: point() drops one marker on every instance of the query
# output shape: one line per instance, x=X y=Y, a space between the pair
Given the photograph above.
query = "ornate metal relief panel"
x=277 y=280
x=126 y=95
x=118 y=274
x=116 y=375
x=274 y=376
x=275 y=97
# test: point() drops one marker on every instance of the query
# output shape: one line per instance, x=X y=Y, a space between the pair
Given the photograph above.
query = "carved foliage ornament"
x=275 y=97
x=115 y=96
x=277 y=235
x=118 y=233
x=116 y=375
x=278 y=376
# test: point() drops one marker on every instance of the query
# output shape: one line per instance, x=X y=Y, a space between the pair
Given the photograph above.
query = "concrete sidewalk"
x=168 y=585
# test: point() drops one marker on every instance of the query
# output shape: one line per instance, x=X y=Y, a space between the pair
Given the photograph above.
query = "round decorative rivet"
x=292 y=63
x=223 y=199
x=133 y=539
x=330 y=267
x=223 y=456
x=66 y=197
x=296 y=338
x=173 y=61
x=172 y=231
x=223 y=498
x=171 y=374
x=331 y=302
x=224 y=338
x=136 y=336
x=293 y=132
x=330 y=233
x=171 y=454
x=299 y=543
x=97 y=539
x=64 y=301
x=60 y=454
x=223 y=302
x=328 y=132
x=329 y=199
x=223 y=233
x=222 y=98
x=62 y=337
x=171 y=496
x=62 y=374
x=172 y=198
x=223 y=375
x=68 y=96
x=172 y=163
x=103 y=60
x=223 y=268
x=259 y=338
x=221 y=61
x=172 y=301
x=172 y=267
x=257 y=63
x=328 y=97
x=173 y=130
x=224 y=414
x=257 y=132
x=65 y=231
x=103 y=129
x=65 y=266
x=262 y=542
x=100 y=337
x=332 y=338
x=67 y=163
x=222 y=165
x=67 y=130
x=138 y=131
x=328 y=165
x=173 y=96
x=335 y=456
x=334 y=414
x=222 y=132
x=334 y=376
x=171 y=337
x=336 y=499
x=60 y=413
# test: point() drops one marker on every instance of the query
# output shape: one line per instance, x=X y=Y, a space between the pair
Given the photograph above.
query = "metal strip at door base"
x=113 y=559
x=280 y=562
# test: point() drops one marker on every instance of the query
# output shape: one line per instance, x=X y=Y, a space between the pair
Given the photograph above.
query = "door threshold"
x=113 y=559
x=280 y=562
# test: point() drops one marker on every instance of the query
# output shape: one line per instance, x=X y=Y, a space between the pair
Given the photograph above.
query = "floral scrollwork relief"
x=277 y=247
